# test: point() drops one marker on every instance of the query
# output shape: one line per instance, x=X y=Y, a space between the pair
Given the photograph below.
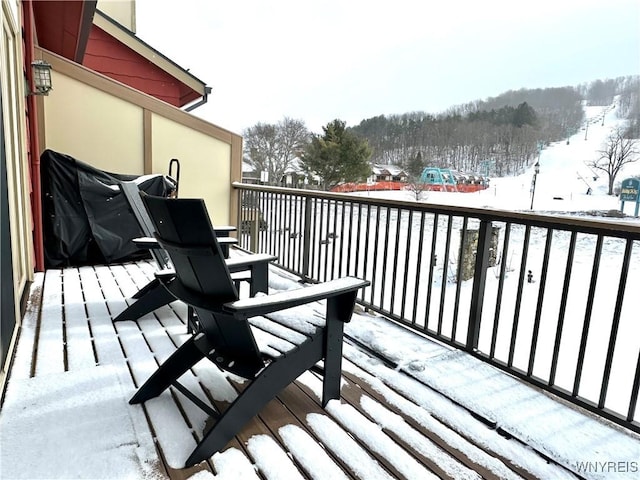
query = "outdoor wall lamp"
x=41 y=77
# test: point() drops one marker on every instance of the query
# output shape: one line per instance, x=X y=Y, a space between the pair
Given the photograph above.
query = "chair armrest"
x=262 y=305
x=245 y=262
x=146 y=242
x=227 y=241
x=224 y=230
x=165 y=274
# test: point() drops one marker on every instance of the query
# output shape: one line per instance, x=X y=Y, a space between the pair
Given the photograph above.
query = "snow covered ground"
x=77 y=423
x=58 y=425
x=562 y=183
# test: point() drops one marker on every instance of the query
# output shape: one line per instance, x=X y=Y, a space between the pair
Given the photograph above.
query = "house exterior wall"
x=98 y=128
x=118 y=129
x=205 y=169
x=107 y=55
x=123 y=12
x=17 y=251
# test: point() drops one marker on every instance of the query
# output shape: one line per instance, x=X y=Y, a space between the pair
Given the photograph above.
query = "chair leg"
x=332 y=361
x=339 y=311
x=276 y=376
x=149 y=286
x=259 y=279
x=173 y=368
x=193 y=325
x=154 y=297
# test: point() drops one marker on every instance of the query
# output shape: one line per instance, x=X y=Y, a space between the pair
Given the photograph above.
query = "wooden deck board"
x=78 y=306
x=50 y=332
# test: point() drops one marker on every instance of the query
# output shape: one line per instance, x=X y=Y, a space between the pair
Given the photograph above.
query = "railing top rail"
x=598 y=226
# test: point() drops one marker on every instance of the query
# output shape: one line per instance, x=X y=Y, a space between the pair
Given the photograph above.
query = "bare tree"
x=617 y=152
x=417 y=188
x=273 y=148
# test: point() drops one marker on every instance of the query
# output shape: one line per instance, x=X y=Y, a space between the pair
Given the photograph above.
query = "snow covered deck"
x=410 y=408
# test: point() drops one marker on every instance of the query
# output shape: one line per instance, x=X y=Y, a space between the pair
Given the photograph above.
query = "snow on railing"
x=548 y=299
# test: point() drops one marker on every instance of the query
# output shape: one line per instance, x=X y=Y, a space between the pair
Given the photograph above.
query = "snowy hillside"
x=562 y=183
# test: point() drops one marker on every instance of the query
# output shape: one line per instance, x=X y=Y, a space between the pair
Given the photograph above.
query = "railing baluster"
x=384 y=257
x=456 y=302
x=262 y=199
x=294 y=233
x=288 y=230
x=316 y=252
x=306 y=237
x=479 y=280
x=633 y=401
x=281 y=226
x=563 y=308
x=395 y=260
x=318 y=240
x=445 y=273
x=334 y=240
x=587 y=316
x=616 y=322
x=349 y=230
x=432 y=265
x=503 y=272
x=543 y=282
x=407 y=262
x=326 y=242
x=375 y=256
x=367 y=238
x=516 y=316
x=356 y=262
x=272 y=226
x=417 y=287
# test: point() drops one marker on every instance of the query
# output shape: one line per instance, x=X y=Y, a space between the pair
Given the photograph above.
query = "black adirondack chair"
x=225 y=337
x=153 y=296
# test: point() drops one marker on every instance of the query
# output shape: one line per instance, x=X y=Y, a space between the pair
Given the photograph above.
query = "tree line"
x=498 y=136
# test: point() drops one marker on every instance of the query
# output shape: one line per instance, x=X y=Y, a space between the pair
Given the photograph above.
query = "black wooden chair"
x=251 y=268
x=203 y=281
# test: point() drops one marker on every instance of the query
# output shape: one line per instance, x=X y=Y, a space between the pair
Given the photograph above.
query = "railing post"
x=254 y=230
x=479 y=280
x=249 y=224
x=306 y=238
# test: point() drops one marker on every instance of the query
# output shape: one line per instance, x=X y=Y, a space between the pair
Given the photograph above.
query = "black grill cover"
x=87 y=220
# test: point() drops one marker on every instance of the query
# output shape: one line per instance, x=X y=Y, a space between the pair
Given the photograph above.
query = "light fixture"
x=41 y=77
x=536 y=171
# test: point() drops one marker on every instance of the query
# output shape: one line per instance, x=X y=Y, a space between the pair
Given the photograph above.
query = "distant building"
x=293 y=177
x=388 y=173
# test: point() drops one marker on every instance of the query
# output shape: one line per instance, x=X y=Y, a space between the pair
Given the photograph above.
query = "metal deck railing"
x=549 y=299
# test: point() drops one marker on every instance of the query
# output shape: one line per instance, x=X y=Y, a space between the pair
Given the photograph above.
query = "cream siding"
x=118 y=129
x=123 y=12
x=98 y=128
x=205 y=166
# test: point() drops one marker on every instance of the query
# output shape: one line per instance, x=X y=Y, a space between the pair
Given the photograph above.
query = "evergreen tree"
x=415 y=165
x=337 y=156
x=524 y=115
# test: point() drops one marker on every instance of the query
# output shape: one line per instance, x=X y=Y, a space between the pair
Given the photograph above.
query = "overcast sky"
x=349 y=59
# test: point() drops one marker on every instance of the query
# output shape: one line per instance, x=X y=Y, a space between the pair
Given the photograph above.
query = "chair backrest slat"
x=184 y=229
x=132 y=194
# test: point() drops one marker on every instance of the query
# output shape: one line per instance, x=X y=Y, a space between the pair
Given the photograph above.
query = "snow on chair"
x=202 y=280
x=153 y=296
